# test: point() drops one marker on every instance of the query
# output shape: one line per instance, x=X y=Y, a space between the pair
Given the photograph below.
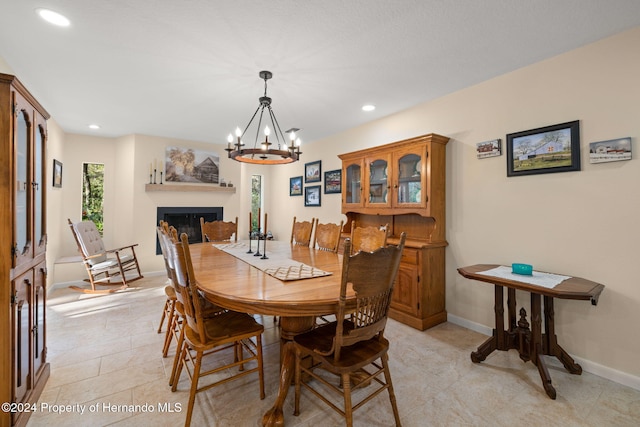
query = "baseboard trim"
x=587 y=365
x=83 y=283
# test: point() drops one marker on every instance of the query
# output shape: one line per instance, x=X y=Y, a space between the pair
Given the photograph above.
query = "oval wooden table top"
x=232 y=283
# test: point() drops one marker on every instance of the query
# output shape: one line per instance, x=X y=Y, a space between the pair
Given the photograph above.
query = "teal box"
x=525 y=269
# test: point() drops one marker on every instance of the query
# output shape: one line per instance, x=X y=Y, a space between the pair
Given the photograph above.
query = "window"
x=93 y=193
x=256 y=200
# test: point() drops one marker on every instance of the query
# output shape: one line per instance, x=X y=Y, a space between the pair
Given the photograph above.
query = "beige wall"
x=578 y=223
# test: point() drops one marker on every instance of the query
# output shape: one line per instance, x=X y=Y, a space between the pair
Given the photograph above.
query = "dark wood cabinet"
x=23 y=366
x=403 y=184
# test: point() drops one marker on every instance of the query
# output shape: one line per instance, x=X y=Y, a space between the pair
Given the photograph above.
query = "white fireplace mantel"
x=189 y=187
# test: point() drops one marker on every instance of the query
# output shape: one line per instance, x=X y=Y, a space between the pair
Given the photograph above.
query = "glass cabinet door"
x=38 y=190
x=353 y=184
x=378 y=182
x=409 y=179
x=21 y=191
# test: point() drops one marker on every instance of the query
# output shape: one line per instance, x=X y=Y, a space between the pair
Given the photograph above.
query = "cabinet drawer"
x=410 y=256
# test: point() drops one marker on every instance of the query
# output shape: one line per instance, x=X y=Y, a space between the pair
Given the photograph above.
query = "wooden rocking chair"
x=102 y=268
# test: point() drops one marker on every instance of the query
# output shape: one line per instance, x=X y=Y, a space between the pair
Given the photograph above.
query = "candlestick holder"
x=264 y=248
x=150 y=178
x=160 y=177
x=250 y=251
x=258 y=245
x=154 y=175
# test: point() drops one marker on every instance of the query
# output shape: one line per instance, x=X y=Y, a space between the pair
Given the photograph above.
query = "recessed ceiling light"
x=368 y=107
x=53 y=17
x=95 y=127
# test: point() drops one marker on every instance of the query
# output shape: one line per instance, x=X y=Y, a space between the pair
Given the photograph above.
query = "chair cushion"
x=110 y=262
x=91 y=242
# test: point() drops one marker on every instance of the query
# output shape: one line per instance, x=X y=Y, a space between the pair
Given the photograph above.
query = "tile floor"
x=104 y=351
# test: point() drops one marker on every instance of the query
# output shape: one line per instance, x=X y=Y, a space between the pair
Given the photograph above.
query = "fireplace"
x=187 y=220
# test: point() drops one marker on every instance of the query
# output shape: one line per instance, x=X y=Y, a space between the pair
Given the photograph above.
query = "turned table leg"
x=536 y=345
x=552 y=348
x=289 y=328
x=497 y=341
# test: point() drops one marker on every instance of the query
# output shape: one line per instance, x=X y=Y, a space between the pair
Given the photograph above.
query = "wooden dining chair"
x=353 y=347
x=218 y=231
x=368 y=239
x=228 y=330
x=301 y=232
x=104 y=267
x=169 y=309
x=175 y=328
x=327 y=237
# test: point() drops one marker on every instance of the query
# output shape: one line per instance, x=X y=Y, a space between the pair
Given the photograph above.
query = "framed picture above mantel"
x=547 y=149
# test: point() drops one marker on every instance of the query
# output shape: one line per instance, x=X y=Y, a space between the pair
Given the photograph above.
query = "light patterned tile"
x=106 y=349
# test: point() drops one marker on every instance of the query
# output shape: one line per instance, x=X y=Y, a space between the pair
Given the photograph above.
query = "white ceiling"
x=189 y=69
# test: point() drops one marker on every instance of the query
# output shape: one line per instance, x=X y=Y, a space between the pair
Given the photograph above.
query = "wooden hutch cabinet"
x=23 y=351
x=403 y=184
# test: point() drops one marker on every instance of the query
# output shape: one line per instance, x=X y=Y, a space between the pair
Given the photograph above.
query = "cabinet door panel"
x=38 y=187
x=377 y=182
x=405 y=292
x=352 y=184
x=38 y=318
x=21 y=324
x=410 y=179
x=22 y=183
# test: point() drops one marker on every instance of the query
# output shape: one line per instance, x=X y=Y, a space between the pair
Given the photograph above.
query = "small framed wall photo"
x=312 y=171
x=544 y=150
x=312 y=195
x=57 y=174
x=295 y=186
x=613 y=150
x=333 y=181
x=488 y=149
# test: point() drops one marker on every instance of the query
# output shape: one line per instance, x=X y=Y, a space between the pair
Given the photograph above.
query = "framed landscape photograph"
x=613 y=150
x=544 y=150
x=333 y=181
x=312 y=171
x=57 y=174
x=312 y=195
x=295 y=186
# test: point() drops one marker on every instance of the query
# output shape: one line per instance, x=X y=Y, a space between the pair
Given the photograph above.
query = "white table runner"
x=538 y=278
x=278 y=266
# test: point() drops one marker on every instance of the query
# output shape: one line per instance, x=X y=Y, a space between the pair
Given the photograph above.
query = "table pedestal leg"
x=498 y=340
x=289 y=328
x=536 y=345
x=550 y=340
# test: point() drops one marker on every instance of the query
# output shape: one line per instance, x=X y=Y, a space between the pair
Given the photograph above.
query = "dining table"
x=242 y=282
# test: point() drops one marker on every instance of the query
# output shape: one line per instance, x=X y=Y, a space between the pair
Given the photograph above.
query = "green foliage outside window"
x=93 y=193
x=256 y=200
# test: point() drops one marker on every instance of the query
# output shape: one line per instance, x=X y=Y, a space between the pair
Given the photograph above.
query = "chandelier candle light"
x=262 y=153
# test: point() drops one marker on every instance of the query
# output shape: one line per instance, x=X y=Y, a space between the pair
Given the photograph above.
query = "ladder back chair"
x=368 y=239
x=169 y=309
x=327 y=237
x=218 y=231
x=104 y=267
x=228 y=330
x=301 y=232
x=353 y=347
x=169 y=235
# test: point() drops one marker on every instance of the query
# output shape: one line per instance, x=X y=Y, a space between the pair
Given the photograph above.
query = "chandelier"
x=265 y=152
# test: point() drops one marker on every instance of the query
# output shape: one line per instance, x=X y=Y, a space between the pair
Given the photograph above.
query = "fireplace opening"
x=187 y=220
